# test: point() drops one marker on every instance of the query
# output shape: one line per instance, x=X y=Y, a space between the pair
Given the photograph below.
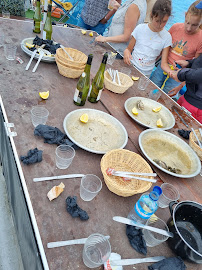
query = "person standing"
x=95 y=15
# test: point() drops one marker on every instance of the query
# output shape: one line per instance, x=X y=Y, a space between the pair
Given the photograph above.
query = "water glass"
x=126 y=71
x=96 y=250
x=155 y=94
x=111 y=58
x=1 y=39
x=169 y=194
x=143 y=83
x=64 y=154
x=153 y=239
x=90 y=187
x=6 y=14
x=10 y=51
x=39 y=115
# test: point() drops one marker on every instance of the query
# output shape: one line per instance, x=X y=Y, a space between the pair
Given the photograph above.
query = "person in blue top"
x=95 y=15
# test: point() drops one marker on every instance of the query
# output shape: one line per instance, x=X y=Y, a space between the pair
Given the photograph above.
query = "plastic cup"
x=39 y=115
x=126 y=71
x=64 y=154
x=143 y=83
x=5 y=14
x=10 y=51
x=90 y=187
x=1 y=39
x=169 y=194
x=96 y=250
x=111 y=58
x=155 y=94
x=152 y=238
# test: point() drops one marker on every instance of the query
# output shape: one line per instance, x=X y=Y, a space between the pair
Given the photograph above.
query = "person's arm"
x=176 y=89
x=164 y=60
x=128 y=51
x=131 y=18
x=190 y=75
x=111 y=12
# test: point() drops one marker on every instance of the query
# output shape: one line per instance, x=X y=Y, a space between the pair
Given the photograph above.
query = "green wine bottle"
x=47 y=30
x=98 y=82
x=37 y=18
x=83 y=84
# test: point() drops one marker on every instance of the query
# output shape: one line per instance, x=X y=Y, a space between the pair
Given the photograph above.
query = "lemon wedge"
x=91 y=34
x=28 y=45
x=83 y=32
x=44 y=95
x=84 y=118
x=135 y=78
x=157 y=109
x=159 y=123
x=135 y=111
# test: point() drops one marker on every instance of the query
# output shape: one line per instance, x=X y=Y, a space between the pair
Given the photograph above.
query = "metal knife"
x=136 y=224
x=183 y=121
x=136 y=261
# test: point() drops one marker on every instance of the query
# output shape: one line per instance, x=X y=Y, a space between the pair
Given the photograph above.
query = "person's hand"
x=173 y=75
x=174 y=91
x=100 y=38
x=127 y=56
x=182 y=63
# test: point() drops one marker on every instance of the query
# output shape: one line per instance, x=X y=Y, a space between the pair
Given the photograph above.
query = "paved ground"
x=10 y=258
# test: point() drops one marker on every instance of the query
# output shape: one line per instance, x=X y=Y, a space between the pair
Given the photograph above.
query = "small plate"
x=49 y=59
x=147 y=117
x=99 y=135
x=168 y=148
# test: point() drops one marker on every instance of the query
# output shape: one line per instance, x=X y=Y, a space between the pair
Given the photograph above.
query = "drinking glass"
x=64 y=156
x=10 y=51
x=6 y=14
x=153 y=239
x=111 y=58
x=155 y=94
x=169 y=194
x=39 y=115
x=111 y=4
x=126 y=71
x=143 y=83
x=90 y=187
x=1 y=39
x=96 y=250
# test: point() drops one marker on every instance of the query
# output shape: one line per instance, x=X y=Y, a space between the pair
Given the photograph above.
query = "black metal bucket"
x=186 y=225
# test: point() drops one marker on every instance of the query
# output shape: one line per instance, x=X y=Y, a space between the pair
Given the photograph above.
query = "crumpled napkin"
x=136 y=239
x=52 y=135
x=33 y=156
x=184 y=133
x=174 y=263
x=74 y=210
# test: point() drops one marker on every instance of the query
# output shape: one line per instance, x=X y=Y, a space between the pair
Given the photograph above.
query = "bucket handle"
x=171 y=206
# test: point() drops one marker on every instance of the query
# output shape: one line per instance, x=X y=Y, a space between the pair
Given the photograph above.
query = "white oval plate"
x=99 y=135
x=49 y=59
x=175 y=152
x=147 y=117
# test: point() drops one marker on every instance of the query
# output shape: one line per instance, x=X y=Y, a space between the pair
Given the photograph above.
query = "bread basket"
x=126 y=82
x=80 y=58
x=194 y=145
x=125 y=160
x=67 y=71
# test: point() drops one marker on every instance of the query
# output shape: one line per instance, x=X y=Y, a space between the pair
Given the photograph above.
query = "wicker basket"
x=124 y=160
x=68 y=71
x=126 y=82
x=80 y=58
x=194 y=145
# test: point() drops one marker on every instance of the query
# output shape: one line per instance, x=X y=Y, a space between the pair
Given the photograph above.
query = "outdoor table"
x=37 y=220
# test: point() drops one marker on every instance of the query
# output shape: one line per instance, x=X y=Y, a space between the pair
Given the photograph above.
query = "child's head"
x=193 y=19
x=160 y=14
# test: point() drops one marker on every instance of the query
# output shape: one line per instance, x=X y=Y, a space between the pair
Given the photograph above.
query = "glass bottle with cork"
x=98 y=82
x=37 y=18
x=83 y=84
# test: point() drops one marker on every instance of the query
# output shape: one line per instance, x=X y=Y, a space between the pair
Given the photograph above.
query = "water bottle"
x=145 y=206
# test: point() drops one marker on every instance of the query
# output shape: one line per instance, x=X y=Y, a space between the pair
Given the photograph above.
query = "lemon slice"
x=84 y=118
x=83 y=32
x=159 y=123
x=91 y=34
x=44 y=95
x=135 y=78
x=157 y=109
x=135 y=111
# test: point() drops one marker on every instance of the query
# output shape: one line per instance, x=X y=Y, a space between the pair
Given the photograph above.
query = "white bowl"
x=99 y=135
x=162 y=145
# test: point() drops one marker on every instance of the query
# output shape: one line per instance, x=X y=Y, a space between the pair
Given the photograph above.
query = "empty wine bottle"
x=83 y=84
x=37 y=18
x=47 y=30
x=98 y=82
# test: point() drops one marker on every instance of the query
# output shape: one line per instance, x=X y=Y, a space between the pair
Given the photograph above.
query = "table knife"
x=136 y=261
x=183 y=121
x=136 y=224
